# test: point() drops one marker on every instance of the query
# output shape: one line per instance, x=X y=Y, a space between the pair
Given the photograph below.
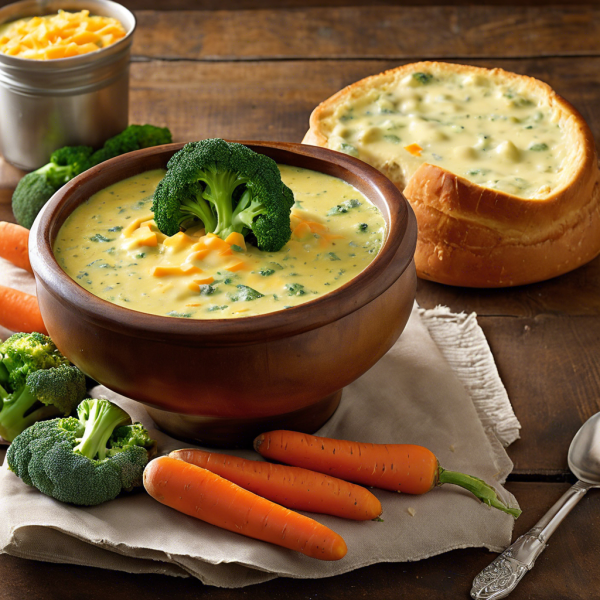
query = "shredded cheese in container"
x=62 y=35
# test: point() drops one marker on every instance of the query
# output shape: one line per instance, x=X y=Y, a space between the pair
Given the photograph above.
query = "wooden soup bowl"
x=221 y=382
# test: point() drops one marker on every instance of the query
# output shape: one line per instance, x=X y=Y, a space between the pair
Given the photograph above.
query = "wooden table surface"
x=255 y=70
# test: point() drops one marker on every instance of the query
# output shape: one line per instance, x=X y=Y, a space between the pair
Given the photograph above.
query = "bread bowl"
x=502 y=173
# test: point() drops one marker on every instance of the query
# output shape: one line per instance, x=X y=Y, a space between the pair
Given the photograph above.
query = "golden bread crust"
x=474 y=236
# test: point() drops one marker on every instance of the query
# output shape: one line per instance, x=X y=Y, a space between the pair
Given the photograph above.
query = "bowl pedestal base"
x=222 y=432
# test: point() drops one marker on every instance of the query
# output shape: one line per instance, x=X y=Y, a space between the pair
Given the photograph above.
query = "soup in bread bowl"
x=501 y=171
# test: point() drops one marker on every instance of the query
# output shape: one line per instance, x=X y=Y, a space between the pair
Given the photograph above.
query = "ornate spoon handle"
x=502 y=576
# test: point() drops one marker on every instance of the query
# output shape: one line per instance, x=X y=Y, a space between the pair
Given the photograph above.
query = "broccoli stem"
x=56 y=175
x=220 y=186
x=8 y=365
x=12 y=416
x=246 y=211
x=103 y=419
x=4 y=374
x=200 y=208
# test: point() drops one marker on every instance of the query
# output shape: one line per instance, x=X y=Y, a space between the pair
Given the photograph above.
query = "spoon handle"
x=503 y=574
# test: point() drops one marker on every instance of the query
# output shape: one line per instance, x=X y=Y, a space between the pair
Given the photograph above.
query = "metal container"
x=47 y=104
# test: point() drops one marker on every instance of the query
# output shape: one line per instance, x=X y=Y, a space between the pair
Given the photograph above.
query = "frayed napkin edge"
x=479 y=375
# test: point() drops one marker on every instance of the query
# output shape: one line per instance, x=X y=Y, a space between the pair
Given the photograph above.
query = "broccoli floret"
x=63 y=387
x=135 y=137
x=128 y=436
x=86 y=460
x=245 y=294
x=230 y=189
x=75 y=158
x=295 y=289
x=36 y=382
x=423 y=78
x=37 y=187
x=30 y=196
x=207 y=290
x=344 y=207
x=100 y=238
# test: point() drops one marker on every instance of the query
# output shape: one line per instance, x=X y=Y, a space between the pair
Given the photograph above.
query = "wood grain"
x=550 y=369
x=212 y=5
x=5 y=209
x=400 y=32
x=575 y=293
x=9 y=175
x=557 y=574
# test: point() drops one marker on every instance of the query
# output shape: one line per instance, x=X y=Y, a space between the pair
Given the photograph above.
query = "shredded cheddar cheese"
x=62 y=35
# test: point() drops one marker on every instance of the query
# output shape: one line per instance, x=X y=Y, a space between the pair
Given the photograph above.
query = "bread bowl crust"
x=474 y=236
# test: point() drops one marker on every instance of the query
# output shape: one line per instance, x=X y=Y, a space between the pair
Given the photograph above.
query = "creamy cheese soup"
x=111 y=246
x=489 y=132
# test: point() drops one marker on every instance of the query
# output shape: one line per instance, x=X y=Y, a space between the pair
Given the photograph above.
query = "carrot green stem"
x=477 y=487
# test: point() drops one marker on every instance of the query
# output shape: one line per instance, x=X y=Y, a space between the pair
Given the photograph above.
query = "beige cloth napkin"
x=443 y=394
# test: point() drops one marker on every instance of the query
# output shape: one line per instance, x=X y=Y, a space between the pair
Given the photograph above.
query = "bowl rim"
x=395 y=255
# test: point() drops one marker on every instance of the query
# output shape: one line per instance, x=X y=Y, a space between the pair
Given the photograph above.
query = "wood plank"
x=566 y=570
x=173 y=5
x=393 y=32
x=550 y=369
x=5 y=209
x=9 y=175
x=577 y=293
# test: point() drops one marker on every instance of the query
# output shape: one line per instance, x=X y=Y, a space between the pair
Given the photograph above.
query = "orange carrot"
x=414 y=149
x=206 y=496
x=292 y=487
x=20 y=311
x=396 y=467
x=14 y=241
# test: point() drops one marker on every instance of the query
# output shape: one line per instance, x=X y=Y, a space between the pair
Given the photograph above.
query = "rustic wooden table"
x=255 y=70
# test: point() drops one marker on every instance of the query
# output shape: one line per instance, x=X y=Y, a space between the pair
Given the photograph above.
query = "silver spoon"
x=501 y=577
